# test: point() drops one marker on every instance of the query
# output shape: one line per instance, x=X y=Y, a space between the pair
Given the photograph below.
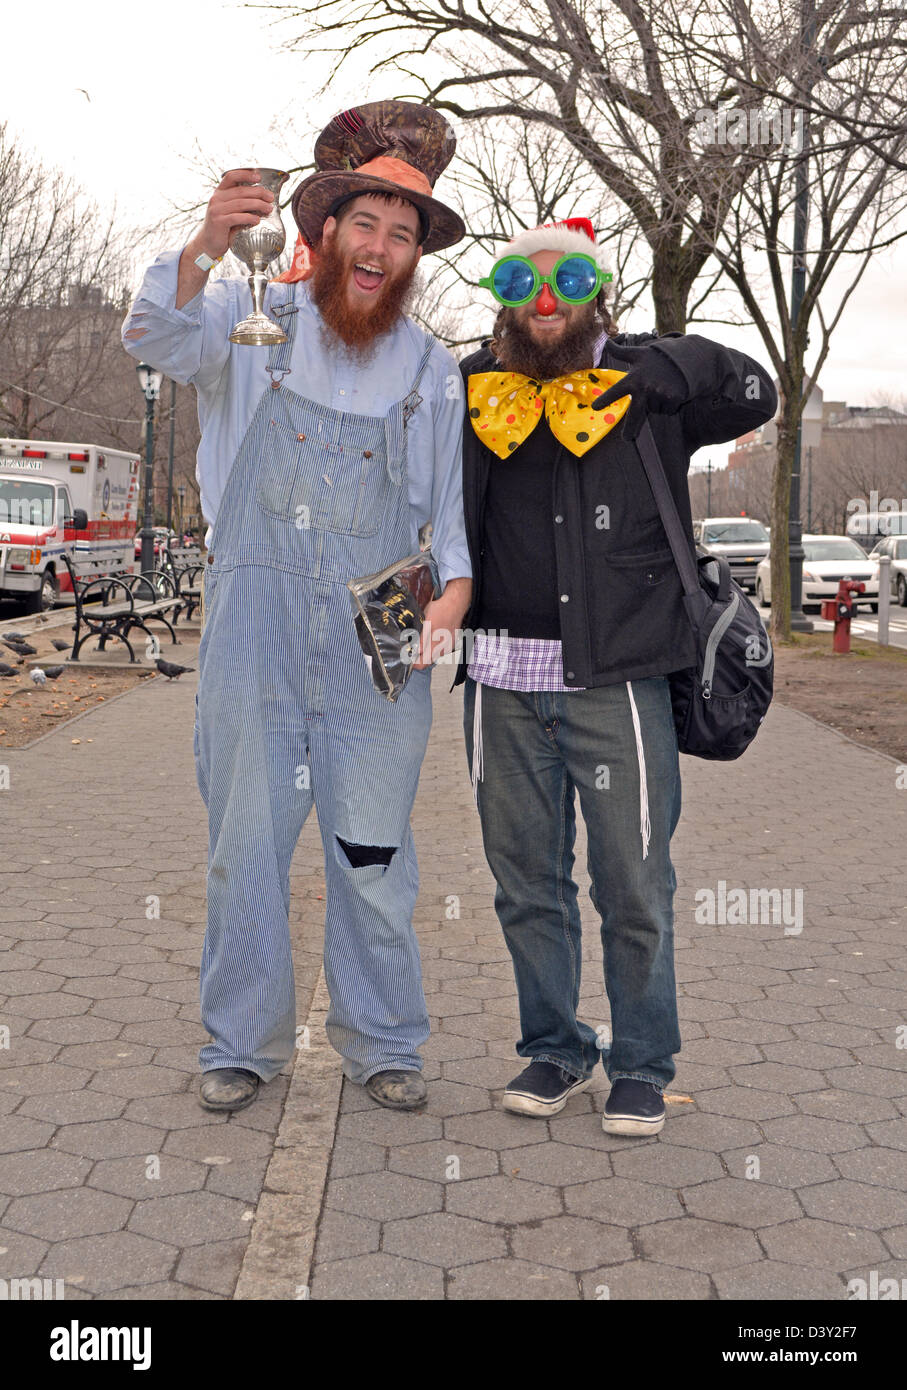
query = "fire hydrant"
x=839 y=610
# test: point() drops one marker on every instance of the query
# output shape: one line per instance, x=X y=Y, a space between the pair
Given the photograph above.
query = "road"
x=865 y=625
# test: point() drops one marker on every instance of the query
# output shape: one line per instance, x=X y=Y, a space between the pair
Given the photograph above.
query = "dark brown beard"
x=518 y=352
x=357 y=328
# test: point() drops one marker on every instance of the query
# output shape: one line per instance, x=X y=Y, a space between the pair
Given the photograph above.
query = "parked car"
x=160 y=534
x=896 y=548
x=868 y=528
x=826 y=561
x=742 y=540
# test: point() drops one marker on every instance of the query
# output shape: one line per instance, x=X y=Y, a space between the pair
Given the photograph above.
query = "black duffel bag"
x=720 y=702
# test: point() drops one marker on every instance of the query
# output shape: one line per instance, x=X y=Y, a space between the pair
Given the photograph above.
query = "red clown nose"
x=546 y=302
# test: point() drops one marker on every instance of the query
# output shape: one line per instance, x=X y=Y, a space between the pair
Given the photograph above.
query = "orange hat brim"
x=315 y=196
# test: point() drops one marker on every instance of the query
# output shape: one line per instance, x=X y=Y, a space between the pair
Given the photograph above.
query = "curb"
x=150 y=673
x=77 y=719
x=285 y=1225
x=889 y=757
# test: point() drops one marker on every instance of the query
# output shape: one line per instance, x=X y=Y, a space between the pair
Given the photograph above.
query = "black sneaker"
x=633 y=1107
x=542 y=1089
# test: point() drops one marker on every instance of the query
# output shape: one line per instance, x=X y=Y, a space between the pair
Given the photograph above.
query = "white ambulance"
x=80 y=499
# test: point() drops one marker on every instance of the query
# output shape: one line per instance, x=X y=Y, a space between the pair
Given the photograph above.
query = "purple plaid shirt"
x=518 y=663
x=522 y=663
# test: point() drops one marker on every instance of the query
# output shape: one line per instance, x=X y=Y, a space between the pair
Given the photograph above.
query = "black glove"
x=656 y=384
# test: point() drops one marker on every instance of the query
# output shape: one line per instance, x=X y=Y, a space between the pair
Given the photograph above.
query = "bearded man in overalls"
x=321 y=459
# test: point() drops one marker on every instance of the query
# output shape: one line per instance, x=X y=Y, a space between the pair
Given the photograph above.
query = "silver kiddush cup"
x=257 y=247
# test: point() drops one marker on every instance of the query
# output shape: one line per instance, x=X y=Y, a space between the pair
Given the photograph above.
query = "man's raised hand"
x=654 y=383
x=233 y=205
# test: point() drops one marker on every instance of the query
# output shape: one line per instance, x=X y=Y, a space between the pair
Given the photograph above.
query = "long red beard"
x=358 y=328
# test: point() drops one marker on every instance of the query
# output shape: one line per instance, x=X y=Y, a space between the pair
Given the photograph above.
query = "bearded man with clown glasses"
x=577 y=619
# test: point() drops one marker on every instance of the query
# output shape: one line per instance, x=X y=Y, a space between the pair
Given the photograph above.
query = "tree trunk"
x=780 y=547
x=670 y=289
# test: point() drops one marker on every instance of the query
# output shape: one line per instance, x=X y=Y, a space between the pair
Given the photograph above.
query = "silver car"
x=742 y=540
x=896 y=548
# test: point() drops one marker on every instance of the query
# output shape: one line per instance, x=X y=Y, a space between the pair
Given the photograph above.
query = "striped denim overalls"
x=287 y=717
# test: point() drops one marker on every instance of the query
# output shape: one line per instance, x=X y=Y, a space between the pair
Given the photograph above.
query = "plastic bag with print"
x=389 y=610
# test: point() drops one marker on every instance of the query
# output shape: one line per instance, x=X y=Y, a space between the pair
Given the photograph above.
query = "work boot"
x=398 y=1090
x=228 y=1088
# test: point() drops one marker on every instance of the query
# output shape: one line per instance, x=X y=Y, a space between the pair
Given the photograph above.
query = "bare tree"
x=822 y=207
x=624 y=85
x=64 y=291
x=62 y=285
x=702 y=121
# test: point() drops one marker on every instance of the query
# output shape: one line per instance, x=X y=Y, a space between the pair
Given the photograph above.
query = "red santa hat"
x=573 y=234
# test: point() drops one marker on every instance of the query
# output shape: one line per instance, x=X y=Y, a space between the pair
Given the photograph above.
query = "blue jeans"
x=539 y=749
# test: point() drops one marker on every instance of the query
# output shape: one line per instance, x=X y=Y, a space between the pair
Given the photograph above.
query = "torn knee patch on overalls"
x=361 y=855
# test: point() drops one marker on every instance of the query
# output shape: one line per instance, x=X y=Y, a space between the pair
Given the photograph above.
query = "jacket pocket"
x=636 y=613
x=647 y=568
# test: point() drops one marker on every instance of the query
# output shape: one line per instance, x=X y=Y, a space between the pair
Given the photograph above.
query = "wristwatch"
x=205 y=262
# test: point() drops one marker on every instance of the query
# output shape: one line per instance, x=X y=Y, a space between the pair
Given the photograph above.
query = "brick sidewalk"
x=790 y=1050
x=789 y=1055
x=112 y=1177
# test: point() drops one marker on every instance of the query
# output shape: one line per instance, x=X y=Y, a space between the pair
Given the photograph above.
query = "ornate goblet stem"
x=257 y=247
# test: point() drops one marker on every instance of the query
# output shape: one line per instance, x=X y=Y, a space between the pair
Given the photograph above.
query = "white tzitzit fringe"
x=477 y=758
x=644 y=827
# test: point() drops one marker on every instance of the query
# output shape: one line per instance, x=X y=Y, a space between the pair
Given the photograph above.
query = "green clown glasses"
x=514 y=280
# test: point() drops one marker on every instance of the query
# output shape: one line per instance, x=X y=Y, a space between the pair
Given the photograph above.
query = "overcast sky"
x=198 y=73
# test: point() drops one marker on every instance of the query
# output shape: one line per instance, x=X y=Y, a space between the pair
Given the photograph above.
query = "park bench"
x=112 y=605
x=185 y=570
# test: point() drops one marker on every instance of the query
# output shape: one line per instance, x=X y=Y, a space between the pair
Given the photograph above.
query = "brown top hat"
x=382 y=147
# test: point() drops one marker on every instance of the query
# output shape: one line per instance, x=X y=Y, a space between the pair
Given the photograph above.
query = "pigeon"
x=14 y=636
x=170 y=669
x=52 y=672
x=38 y=675
x=20 y=648
x=7 y=670
x=60 y=645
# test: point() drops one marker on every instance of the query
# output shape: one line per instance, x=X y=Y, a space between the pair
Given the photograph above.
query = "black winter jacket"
x=624 y=618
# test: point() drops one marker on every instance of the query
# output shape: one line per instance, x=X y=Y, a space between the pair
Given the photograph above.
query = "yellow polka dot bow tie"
x=505 y=407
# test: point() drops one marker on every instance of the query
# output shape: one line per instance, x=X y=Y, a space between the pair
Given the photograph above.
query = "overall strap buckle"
x=279 y=356
x=413 y=400
x=410 y=406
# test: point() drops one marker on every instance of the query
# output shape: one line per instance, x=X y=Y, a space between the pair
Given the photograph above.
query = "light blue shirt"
x=192 y=345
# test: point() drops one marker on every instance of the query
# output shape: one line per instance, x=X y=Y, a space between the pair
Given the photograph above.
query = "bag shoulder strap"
x=667 y=507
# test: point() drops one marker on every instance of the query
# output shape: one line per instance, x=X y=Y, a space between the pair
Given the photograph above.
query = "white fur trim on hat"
x=563 y=239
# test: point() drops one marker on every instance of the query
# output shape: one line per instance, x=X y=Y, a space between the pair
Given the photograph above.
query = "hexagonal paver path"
x=780 y=1172
x=112 y=1177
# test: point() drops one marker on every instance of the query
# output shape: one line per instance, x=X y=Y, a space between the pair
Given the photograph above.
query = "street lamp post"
x=798 y=619
x=170 y=456
x=150 y=382
x=181 y=493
